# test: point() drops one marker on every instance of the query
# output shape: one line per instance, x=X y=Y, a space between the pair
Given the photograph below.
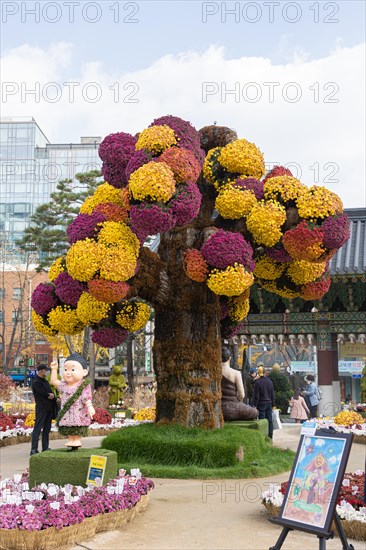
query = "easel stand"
x=322 y=537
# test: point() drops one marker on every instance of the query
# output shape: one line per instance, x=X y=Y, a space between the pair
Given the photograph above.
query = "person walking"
x=45 y=409
x=264 y=399
x=252 y=377
x=299 y=409
x=312 y=392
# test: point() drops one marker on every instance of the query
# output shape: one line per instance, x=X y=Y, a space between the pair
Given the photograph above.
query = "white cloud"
x=322 y=133
x=334 y=459
x=319 y=443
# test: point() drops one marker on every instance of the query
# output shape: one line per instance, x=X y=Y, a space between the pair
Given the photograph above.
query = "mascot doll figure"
x=76 y=405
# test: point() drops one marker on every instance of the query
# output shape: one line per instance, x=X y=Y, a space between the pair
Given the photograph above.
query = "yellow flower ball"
x=234 y=203
x=57 y=267
x=232 y=281
x=90 y=310
x=303 y=272
x=319 y=202
x=265 y=268
x=118 y=233
x=154 y=180
x=82 y=260
x=264 y=222
x=239 y=307
x=284 y=188
x=40 y=325
x=156 y=139
x=117 y=263
x=103 y=193
x=133 y=316
x=244 y=158
x=208 y=164
x=64 y=319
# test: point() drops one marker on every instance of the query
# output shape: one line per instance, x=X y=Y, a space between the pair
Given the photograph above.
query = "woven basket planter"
x=17 y=539
x=355 y=530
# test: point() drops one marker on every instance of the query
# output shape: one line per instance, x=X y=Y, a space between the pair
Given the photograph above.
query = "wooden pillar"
x=328 y=378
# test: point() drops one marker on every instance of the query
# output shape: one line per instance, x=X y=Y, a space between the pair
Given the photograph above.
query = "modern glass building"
x=30 y=168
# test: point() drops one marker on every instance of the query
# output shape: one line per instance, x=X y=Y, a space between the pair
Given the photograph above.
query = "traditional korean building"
x=329 y=334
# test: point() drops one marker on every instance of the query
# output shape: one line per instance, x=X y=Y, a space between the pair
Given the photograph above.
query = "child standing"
x=299 y=409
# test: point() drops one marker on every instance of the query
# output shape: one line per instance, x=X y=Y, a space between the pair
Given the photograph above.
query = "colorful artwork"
x=313 y=489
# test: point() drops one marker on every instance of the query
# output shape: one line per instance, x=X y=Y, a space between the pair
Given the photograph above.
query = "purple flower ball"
x=251 y=184
x=117 y=148
x=44 y=298
x=85 y=226
x=278 y=254
x=224 y=249
x=187 y=136
x=109 y=337
x=68 y=289
x=336 y=231
x=150 y=219
x=115 y=174
x=186 y=203
x=137 y=160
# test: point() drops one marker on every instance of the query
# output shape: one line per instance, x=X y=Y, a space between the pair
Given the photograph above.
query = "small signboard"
x=308 y=428
x=350 y=367
x=96 y=470
x=303 y=366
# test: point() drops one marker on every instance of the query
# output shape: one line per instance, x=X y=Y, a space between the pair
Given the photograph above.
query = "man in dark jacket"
x=264 y=398
x=45 y=408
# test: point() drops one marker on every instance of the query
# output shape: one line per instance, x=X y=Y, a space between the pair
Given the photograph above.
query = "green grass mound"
x=178 y=452
x=63 y=466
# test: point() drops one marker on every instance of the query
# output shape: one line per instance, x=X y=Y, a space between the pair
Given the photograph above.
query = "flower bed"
x=50 y=516
x=350 y=504
x=22 y=434
x=358 y=430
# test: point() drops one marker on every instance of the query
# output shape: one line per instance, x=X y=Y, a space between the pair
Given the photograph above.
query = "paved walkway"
x=193 y=514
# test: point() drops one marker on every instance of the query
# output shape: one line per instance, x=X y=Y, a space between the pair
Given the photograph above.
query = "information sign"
x=96 y=470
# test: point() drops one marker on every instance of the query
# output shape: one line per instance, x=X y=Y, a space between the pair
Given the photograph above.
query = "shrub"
x=283 y=391
x=6 y=422
x=101 y=397
x=102 y=416
x=6 y=387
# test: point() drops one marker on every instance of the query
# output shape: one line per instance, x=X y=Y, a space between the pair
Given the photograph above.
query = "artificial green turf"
x=177 y=452
x=62 y=466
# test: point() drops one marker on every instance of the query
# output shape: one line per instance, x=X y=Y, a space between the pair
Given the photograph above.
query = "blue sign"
x=356 y=375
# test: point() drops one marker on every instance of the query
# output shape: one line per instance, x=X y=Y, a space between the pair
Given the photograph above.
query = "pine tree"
x=46 y=234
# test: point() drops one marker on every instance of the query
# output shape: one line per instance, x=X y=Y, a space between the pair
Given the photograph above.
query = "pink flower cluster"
x=336 y=231
x=109 y=337
x=225 y=248
x=115 y=152
x=44 y=298
x=150 y=219
x=187 y=136
x=68 y=289
x=84 y=226
x=55 y=509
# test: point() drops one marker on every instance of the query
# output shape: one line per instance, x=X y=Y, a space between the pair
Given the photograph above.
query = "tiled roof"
x=351 y=258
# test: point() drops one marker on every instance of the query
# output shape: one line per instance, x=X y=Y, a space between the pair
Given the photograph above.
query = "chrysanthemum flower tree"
x=222 y=226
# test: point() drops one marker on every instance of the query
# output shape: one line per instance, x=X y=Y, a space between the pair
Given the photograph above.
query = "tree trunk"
x=92 y=363
x=187 y=346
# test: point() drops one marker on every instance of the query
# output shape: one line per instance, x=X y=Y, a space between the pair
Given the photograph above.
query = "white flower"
x=55 y=505
x=29 y=508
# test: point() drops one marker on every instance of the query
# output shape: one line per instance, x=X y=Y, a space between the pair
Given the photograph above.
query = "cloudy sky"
x=288 y=76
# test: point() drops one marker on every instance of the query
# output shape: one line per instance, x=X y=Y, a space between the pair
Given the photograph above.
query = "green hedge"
x=63 y=466
x=178 y=452
x=260 y=425
x=176 y=445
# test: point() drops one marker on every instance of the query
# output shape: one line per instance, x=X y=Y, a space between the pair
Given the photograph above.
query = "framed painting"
x=315 y=480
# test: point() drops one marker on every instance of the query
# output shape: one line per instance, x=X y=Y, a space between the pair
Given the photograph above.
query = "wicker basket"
x=355 y=530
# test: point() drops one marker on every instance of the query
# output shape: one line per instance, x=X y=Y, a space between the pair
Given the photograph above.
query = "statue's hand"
x=54 y=365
